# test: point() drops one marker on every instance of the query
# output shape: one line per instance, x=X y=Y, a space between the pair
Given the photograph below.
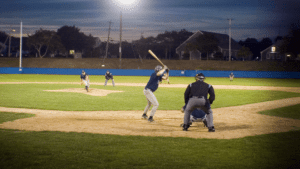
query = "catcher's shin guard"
x=205 y=123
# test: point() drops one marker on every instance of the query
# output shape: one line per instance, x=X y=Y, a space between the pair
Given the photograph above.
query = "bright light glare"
x=126 y=4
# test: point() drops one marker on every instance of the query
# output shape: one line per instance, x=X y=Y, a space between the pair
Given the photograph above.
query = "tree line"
x=48 y=43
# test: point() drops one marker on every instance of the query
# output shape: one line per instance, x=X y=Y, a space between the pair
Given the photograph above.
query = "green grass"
x=26 y=149
x=23 y=149
x=287 y=112
x=33 y=96
x=7 y=116
x=144 y=79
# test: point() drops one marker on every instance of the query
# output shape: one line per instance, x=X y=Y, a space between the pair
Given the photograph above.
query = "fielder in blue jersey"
x=231 y=76
x=84 y=78
x=150 y=88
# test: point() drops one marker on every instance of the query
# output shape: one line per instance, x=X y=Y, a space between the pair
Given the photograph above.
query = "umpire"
x=195 y=96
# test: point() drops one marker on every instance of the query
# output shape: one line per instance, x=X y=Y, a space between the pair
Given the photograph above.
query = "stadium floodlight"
x=127 y=5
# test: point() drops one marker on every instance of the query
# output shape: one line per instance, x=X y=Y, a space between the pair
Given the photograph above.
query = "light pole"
x=123 y=4
x=120 y=48
x=21 y=43
x=229 y=39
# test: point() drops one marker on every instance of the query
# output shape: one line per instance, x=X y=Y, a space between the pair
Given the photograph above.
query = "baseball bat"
x=155 y=57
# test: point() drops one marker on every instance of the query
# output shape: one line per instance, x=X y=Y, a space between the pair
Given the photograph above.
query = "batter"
x=150 y=88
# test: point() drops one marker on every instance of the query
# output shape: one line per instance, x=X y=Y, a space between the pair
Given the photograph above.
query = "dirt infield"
x=92 y=92
x=230 y=122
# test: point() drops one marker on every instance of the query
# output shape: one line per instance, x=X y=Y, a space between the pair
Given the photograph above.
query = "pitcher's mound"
x=92 y=92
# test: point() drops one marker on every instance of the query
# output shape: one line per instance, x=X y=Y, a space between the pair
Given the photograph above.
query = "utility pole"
x=229 y=39
x=20 y=53
x=107 y=41
x=120 y=48
x=9 y=44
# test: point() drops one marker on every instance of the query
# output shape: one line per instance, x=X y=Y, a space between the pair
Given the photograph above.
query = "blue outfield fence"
x=142 y=72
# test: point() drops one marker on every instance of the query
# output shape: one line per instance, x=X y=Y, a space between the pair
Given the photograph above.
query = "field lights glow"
x=126 y=4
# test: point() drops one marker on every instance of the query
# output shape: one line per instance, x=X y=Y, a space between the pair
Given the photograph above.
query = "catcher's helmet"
x=200 y=76
x=107 y=71
x=158 y=68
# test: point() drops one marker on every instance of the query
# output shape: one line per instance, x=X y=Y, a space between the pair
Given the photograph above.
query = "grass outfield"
x=144 y=79
x=24 y=149
x=33 y=96
x=287 y=112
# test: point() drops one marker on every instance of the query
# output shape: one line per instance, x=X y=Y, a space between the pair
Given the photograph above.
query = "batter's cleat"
x=205 y=123
x=211 y=129
x=150 y=119
x=144 y=116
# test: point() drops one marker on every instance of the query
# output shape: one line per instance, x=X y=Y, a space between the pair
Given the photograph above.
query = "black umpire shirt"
x=199 y=89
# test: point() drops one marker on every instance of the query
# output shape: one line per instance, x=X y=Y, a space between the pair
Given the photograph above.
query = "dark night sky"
x=251 y=18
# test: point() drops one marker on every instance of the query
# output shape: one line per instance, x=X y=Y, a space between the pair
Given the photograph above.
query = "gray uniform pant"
x=196 y=102
x=86 y=83
x=113 y=82
x=151 y=101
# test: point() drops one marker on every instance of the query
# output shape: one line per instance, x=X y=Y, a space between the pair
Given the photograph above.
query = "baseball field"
x=50 y=121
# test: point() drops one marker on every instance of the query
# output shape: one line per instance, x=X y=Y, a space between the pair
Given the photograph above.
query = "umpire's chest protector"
x=199 y=89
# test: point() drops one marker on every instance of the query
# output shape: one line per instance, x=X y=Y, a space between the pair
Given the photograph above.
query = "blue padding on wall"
x=142 y=72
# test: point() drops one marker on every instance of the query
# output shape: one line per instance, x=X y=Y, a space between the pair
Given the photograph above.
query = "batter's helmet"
x=200 y=76
x=158 y=68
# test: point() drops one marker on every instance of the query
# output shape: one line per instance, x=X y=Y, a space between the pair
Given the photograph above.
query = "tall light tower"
x=230 y=39
x=126 y=5
x=21 y=43
x=120 y=48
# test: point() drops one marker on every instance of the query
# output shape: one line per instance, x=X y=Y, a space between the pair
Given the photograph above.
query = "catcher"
x=108 y=76
x=84 y=78
x=197 y=115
